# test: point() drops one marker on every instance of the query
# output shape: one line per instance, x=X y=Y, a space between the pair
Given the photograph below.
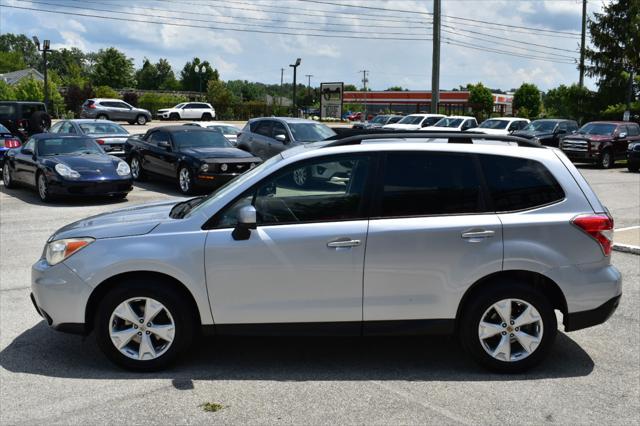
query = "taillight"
x=100 y=141
x=12 y=143
x=599 y=227
x=91 y=105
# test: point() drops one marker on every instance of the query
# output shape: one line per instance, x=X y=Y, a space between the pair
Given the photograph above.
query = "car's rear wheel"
x=144 y=326
x=43 y=188
x=508 y=328
x=7 y=178
x=206 y=116
x=141 y=120
x=185 y=180
x=633 y=167
x=102 y=117
x=606 y=160
x=136 y=168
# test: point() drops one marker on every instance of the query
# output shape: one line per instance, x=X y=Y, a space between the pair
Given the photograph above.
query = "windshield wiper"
x=181 y=209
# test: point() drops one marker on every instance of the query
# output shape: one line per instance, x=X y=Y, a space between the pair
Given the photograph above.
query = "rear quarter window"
x=518 y=183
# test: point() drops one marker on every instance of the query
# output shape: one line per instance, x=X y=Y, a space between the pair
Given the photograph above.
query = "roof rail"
x=453 y=137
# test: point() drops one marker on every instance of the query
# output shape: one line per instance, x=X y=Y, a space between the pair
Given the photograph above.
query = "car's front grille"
x=575 y=145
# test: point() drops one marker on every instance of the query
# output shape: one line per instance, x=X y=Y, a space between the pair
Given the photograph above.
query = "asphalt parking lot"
x=591 y=376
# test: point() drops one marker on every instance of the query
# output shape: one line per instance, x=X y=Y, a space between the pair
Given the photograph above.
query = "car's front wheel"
x=606 y=160
x=508 y=328
x=141 y=120
x=136 y=168
x=144 y=326
x=43 y=188
x=185 y=180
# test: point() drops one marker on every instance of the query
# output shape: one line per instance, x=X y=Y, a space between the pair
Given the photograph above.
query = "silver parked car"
x=111 y=136
x=266 y=137
x=484 y=239
x=115 y=110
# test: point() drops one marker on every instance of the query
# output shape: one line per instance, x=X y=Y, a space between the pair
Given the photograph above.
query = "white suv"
x=188 y=111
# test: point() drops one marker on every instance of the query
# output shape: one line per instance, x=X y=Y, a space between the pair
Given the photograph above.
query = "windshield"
x=494 y=124
x=411 y=119
x=449 y=122
x=379 y=119
x=234 y=183
x=102 y=129
x=179 y=106
x=200 y=139
x=597 y=129
x=541 y=126
x=226 y=130
x=310 y=132
x=66 y=146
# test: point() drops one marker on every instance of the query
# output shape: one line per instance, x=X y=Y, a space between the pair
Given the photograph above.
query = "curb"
x=627 y=248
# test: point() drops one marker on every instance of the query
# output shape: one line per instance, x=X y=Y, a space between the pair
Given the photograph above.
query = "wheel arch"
x=117 y=280
x=544 y=284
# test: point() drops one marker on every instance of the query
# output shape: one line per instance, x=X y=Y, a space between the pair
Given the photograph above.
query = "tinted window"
x=310 y=132
x=279 y=129
x=494 y=124
x=424 y=183
x=633 y=129
x=56 y=127
x=156 y=137
x=517 y=183
x=278 y=200
x=263 y=128
x=200 y=139
x=204 y=106
x=411 y=119
x=598 y=129
x=97 y=127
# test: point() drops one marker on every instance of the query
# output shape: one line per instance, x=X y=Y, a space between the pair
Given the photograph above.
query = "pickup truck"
x=601 y=142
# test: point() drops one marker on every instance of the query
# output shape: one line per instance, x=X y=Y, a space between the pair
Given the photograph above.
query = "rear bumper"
x=583 y=319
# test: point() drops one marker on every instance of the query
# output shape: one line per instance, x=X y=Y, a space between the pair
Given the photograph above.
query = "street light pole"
x=199 y=71
x=46 y=47
x=308 y=90
x=295 y=68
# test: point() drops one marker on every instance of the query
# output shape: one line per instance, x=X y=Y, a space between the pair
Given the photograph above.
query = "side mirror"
x=164 y=144
x=26 y=151
x=622 y=135
x=281 y=137
x=247 y=220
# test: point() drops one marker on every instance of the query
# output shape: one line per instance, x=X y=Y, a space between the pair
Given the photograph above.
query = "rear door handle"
x=478 y=234
x=344 y=242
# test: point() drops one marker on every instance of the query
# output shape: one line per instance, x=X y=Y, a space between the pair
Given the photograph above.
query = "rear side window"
x=425 y=183
x=518 y=183
x=634 y=130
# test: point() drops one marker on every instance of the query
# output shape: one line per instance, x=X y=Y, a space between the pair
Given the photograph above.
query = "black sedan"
x=193 y=156
x=110 y=135
x=58 y=165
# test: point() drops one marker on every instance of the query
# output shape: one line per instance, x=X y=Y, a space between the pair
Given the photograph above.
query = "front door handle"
x=344 y=242
x=478 y=234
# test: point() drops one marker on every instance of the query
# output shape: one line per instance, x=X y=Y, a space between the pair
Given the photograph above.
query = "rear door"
x=431 y=236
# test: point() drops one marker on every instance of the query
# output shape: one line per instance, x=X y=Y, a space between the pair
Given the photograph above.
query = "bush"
x=155 y=101
x=106 y=92
x=75 y=97
x=131 y=98
x=6 y=92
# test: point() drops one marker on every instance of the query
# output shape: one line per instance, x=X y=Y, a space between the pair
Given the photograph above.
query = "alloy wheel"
x=42 y=188
x=142 y=328
x=142 y=120
x=6 y=175
x=185 y=180
x=510 y=330
x=606 y=160
x=135 y=167
x=300 y=176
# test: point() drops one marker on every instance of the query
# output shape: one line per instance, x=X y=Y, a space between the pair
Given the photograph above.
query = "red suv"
x=601 y=142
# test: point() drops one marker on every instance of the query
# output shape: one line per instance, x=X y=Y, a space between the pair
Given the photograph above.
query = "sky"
x=392 y=44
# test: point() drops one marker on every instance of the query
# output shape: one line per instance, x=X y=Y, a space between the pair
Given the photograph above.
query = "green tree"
x=29 y=89
x=6 y=92
x=615 y=56
x=106 y=92
x=481 y=100
x=11 y=61
x=69 y=65
x=526 y=101
x=166 y=77
x=23 y=45
x=221 y=98
x=112 y=68
x=394 y=89
x=573 y=102
x=147 y=76
x=350 y=88
x=197 y=81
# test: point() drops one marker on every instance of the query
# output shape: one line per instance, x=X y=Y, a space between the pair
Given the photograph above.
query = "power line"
x=459 y=43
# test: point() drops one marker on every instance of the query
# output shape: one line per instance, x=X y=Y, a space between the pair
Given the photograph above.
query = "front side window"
x=279 y=129
x=56 y=127
x=156 y=137
x=518 y=183
x=310 y=132
x=334 y=192
x=411 y=119
x=425 y=183
x=98 y=128
x=634 y=129
x=30 y=145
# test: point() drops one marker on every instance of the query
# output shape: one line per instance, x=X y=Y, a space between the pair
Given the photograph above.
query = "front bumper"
x=580 y=156
x=90 y=187
x=214 y=180
x=583 y=319
x=59 y=296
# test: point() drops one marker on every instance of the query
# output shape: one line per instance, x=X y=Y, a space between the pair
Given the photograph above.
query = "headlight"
x=224 y=167
x=59 y=250
x=204 y=168
x=123 y=169
x=66 y=171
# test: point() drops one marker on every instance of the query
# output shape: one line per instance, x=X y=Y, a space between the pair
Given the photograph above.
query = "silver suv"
x=483 y=238
x=114 y=110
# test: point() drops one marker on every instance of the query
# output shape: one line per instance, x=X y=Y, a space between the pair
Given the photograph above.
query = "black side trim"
x=350 y=328
x=583 y=319
x=72 y=328
x=35 y=305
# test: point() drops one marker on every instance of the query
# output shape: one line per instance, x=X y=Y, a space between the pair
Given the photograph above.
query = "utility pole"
x=435 y=61
x=582 y=43
x=280 y=96
x=308 y=90
x=365 y=80
x=295 y=68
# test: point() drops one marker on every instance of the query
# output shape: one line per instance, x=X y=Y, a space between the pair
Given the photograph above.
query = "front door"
x=431 y=236
x=25 y=164
x=304 y=262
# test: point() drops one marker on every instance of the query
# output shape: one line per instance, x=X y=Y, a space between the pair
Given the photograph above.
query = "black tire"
x=140 y=175
x=474 y=311
x=633 y=167
x=606 y=160
x=43 y=192
x=174 y=116
x=205 y=117
x=185 y=186
x=102 y=117
x=7 y=178
x=141 y=120
x=179 y=309
x=119 y=196
x=39 y=122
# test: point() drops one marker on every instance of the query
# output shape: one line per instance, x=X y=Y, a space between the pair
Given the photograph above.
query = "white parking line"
x=627 y=228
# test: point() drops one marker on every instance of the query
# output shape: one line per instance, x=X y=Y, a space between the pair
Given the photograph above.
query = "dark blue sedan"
x=66 y=165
